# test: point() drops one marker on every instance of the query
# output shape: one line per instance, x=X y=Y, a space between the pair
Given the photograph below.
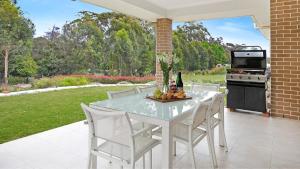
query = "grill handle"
x=241 y=47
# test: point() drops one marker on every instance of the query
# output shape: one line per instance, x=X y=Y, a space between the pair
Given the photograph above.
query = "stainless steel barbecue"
x=247 y=80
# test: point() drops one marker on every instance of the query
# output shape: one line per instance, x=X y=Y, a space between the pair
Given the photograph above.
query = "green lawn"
x=208 y=78
x=28 y=114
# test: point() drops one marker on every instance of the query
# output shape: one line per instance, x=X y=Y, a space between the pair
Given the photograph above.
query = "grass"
x=24 y=115
x=207 y=78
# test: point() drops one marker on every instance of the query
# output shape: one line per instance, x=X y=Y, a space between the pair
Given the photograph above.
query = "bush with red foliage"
x=115 y=79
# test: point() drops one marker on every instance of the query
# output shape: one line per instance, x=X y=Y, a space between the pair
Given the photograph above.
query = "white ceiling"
x=191 y=10
x=182 y=4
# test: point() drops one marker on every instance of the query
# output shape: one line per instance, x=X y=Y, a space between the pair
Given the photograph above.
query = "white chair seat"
x=214 y=123
x=123 y=152
x=181 y=132
x=189 y=121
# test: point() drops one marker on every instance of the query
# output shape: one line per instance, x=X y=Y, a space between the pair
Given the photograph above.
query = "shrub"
x=44 y=82
x=71 y=81
x=217 y=70
x=116 y=79
x=60 y=81
x=13 y=80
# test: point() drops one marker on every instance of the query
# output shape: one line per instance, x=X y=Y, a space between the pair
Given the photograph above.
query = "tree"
x=15 y=31
x=140 y=41
x=194 y=31
x=122 y=52
x=85 y=39
x=26 y=67
x=46 y=55
x=197 y=49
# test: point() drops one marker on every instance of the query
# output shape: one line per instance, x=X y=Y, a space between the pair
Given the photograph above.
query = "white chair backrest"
x=114 y=126
x=216 y=104
x=146 y=89
x=199 y=114
x=205 y=87
x=118 y=94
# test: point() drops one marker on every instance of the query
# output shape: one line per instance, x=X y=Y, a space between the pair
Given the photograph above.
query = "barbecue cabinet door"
x=236 y=96
x=255 y=99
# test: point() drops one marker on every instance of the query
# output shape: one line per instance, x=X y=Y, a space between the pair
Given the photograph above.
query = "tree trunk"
x=5 y=86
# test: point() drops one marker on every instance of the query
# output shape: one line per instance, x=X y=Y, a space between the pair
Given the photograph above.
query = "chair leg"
x=150 y=159
x=133 y=165
x=211 y=149
x=143 y=161
x=93 y=158
x=174 y=148
x=94 y=162
x=222 y=137
x=212 y=134
x=89 y=161
x=191 y=151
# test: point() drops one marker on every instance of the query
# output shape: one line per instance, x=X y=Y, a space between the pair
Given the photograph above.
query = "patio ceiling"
x=192 y=10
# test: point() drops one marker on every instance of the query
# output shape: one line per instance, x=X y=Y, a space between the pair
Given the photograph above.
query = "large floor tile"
x=254 y=142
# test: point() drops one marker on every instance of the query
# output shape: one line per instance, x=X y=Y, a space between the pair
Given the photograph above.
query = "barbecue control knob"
x=240 y=77
x=231 y=77
x=249 y=77
x=258 y=78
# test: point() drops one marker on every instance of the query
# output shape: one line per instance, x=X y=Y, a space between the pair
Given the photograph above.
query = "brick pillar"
x=163 y=43
x=285 y=58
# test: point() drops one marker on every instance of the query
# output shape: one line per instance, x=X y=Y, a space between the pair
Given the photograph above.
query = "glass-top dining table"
x=163 y=114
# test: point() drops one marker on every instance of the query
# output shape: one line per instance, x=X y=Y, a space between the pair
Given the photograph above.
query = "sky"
x=47 y=13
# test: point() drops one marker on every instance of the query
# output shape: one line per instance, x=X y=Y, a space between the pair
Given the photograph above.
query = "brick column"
x=163 y=43
x=285 y=58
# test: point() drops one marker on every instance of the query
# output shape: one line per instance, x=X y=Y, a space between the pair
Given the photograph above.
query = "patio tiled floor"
x=254 y=142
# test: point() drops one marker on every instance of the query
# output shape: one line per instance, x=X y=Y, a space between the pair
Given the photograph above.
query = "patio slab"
x=254 y=142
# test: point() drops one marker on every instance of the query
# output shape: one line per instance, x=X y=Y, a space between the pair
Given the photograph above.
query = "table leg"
x=167 y=146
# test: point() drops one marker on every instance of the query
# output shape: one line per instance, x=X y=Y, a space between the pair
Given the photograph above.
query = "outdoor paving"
x=254 y=142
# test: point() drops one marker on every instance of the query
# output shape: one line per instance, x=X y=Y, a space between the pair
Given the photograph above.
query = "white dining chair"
x=123 y=93
x=137 y=125
x=121 y=143
x=216 y=118
x=146 y=89
x=218 y=115
x=188 y=132
x=196 y=87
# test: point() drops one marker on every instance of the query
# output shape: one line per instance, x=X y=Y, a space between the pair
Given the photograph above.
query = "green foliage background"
x=106 y=43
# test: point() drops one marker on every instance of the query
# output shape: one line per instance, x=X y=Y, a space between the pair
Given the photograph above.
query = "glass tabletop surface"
x=139 y=104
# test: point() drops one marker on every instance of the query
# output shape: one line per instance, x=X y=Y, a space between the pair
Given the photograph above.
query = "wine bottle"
x=179 y=83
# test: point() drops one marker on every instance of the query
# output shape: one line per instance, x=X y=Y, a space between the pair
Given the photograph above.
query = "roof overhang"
x=192 y=10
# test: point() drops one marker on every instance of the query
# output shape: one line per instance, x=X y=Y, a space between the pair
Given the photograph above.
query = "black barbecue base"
x=246 y=96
